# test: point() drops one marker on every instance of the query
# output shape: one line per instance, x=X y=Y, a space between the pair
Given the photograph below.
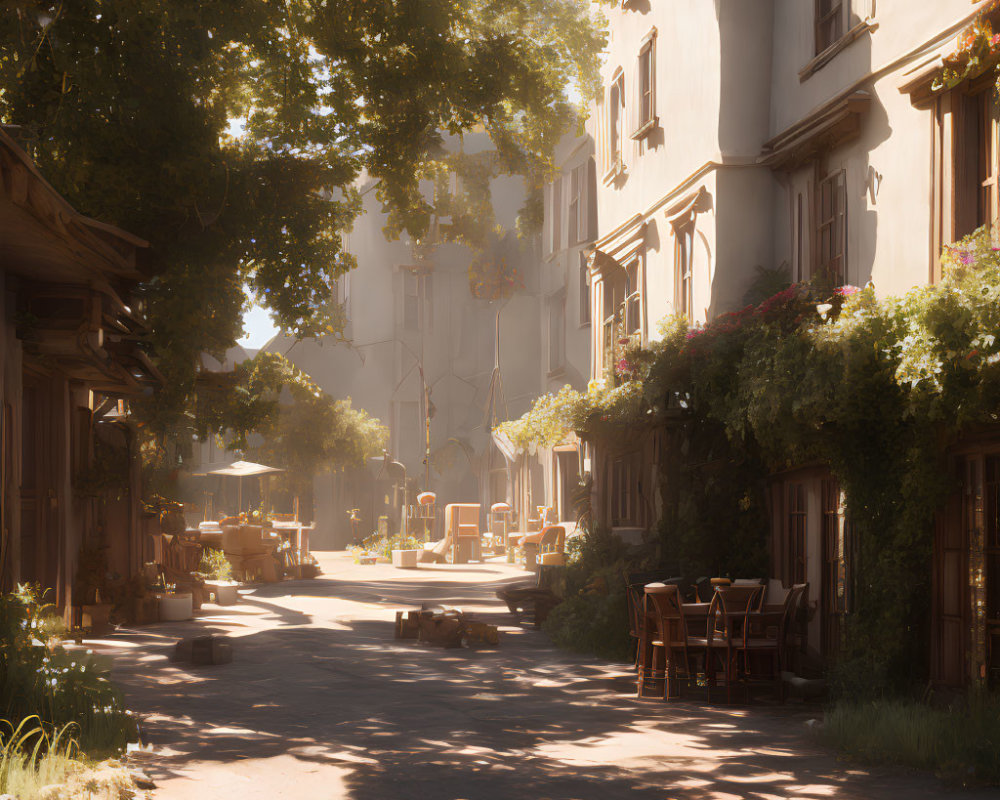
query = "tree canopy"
x=128 y=107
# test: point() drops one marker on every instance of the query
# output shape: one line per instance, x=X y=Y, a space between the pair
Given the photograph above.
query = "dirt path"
x=321 y=702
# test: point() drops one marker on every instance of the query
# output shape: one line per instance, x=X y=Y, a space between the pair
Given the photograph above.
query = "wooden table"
x=286 y=528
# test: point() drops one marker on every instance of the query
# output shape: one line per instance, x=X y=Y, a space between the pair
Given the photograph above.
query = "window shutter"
x=633 y=115
x=547 y=216
x=591 y=199
x=557 y=208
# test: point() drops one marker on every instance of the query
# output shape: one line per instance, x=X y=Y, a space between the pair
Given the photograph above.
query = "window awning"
x=830 y=125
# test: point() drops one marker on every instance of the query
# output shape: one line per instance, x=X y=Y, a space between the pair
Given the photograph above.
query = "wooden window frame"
x=577 y=212
x=633 y=307
x=556 y=357
x=623 y=502
x=555 y=229
x=645 y=105
x=616 y=123
x=832 y=258
x=409 y=301
x=684 y=269
x=965 y=168
x=796 y=532
x=832 y=18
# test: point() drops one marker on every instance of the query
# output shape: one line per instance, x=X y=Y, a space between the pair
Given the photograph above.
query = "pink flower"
x=847 y=290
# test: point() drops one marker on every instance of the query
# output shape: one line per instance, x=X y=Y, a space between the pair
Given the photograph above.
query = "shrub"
x=593 y=617
x=961 y=744
x=384 y=545
x=215 y=566
x=39 y=678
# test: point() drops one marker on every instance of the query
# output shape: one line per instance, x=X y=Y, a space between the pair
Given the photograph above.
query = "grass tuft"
x=32 y=758
x=961 y=744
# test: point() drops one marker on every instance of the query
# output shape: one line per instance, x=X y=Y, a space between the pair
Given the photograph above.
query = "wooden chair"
x=249 y=553
x=635 y=599
x=551 y=539
x=673 y=655
x=727 y=621
x=180 y=558
x=461 y=531
x=765 y=646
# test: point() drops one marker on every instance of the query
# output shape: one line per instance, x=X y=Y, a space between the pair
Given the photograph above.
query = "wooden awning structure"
x=75 y=279
x=832 y=124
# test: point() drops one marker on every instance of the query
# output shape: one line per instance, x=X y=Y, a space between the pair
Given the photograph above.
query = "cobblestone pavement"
x=322 y=702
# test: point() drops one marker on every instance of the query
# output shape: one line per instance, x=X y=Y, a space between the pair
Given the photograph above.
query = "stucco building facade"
x=805 y=137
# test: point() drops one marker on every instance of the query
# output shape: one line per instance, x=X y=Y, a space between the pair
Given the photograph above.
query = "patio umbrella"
x=241 y=470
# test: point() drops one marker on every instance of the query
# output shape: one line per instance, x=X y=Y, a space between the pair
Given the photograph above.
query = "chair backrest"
x=240 y=539
x=179 y=554
x=730 y=600
x=468 y=531
x=456 y=514
x=553 y=536
x=703 y=589
x=740 y=599
x=667 y=610
x=793 y=601
x=775 y=593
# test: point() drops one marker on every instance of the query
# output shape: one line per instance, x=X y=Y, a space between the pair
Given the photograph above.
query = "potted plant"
x=173 y=605
x=91 y=586
x=219 y=577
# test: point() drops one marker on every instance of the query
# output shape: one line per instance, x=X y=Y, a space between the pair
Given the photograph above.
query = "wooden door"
x=39 y=537
x=949 y=622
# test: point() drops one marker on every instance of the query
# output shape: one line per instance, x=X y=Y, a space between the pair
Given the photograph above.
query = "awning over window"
x=828 y=126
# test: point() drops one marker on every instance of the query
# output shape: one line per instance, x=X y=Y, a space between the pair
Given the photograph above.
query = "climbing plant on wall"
x=875 y=388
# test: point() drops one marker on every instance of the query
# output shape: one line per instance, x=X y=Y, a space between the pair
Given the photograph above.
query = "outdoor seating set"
x=715 y=633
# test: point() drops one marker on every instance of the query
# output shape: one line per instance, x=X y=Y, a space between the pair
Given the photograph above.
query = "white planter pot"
x=175 y=607
x=405 y=559
x=224 y=591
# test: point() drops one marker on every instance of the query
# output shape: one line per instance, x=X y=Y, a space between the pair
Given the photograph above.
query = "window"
x=557 y=332
x=411 y=301
x=633 y=300
x=428 y=291
x=684 y=268
x=409 y=430
x=616 y=115
x=646 y=86
x=609 y=334
x=573 y=217
x=578 y=212
x=976 y=162
x=797 y=519
x=834 y=587
x=584 y=290
x=800 y=266
x=829 y=23
x=831 y=226
x=623 y=491
x=965 y=170
x=555 y=216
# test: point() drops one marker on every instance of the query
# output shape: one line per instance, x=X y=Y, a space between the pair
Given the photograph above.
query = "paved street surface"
x=322 y=702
